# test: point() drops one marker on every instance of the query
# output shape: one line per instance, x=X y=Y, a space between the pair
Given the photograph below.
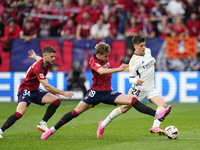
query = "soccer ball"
x=171 y=132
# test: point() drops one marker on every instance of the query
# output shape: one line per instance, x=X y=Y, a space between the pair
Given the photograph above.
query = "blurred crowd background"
x=99 y=19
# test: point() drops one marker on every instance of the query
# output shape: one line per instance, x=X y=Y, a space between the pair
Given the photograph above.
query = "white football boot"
x=42 y=126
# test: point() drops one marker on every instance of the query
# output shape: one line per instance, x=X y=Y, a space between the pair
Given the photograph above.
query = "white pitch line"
x=154 y=138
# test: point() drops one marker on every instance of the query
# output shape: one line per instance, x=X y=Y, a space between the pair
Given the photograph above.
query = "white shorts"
x=140 y=95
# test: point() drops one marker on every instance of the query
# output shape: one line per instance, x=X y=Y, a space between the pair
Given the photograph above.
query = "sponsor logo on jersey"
x=107 y=65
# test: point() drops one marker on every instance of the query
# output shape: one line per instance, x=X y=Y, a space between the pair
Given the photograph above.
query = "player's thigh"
x=82 y=106
x=138 y=94
x=21 y=107
x=123 y=99
x=158 y=101
x=49 y=98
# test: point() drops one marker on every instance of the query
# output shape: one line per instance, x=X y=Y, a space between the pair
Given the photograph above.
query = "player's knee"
x=133 y=101
x=75 y=113
x=56 y=102
x=18 y=115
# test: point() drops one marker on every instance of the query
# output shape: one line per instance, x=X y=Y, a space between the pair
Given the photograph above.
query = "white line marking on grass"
x=153 y=138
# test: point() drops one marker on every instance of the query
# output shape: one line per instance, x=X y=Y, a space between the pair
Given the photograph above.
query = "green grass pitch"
x=129 y=131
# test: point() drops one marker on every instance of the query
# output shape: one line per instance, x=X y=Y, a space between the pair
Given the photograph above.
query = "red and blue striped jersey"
x=100 y=82
x=35 y=73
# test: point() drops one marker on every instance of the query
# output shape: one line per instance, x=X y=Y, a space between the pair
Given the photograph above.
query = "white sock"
x=116 y=112
x=1 y=132
x=53 y=129
x=156 y=122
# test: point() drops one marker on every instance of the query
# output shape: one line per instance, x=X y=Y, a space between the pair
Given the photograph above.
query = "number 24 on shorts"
x=135 y=92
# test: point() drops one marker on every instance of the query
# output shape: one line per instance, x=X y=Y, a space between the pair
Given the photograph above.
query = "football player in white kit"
x=141 y=77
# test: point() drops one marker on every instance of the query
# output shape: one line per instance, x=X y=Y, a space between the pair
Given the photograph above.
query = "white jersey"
x=143 y=68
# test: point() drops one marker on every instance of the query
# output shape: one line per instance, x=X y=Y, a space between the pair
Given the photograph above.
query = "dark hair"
x=138 y=39
x=48 y=49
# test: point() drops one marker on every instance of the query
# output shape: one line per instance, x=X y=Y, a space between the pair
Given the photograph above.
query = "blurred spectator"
x=156 y=14
x=112 y=26
x=87 y=3
x=5 y=17
x=56 y=25
x=193 y=26
x=196 y=63
x=42 y=3
x=149 y=4
x=109 y=9
x=2 y=28
x=69 y=30
x=68 y=8
x=7 y=4
x=35 y=20
x=129 y=53
x=190 y=8
x=175 y=8
x=132 y=28
x=27 y=6
x=142 y=14
x=179 y=28
x=136 y=4
x=164 y=27
x=95 y=12
x=83 y=27
x=2 y=9
x=12 y=30
x=147 y=29
x=82 y=8
x=164 y=3
x=28 y=32
x=45 y=28
x=55 y=68
x=99 y=30
x=17 y=13
x=122 y=7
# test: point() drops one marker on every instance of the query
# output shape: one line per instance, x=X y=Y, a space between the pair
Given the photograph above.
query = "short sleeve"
x=94 y=65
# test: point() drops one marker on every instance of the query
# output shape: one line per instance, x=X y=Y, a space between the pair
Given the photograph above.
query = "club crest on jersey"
x=41 y=75
x=97 y=64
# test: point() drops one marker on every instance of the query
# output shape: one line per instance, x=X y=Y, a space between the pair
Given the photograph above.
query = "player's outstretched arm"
x=52 y=89
x=33 y=55
x=106 y=71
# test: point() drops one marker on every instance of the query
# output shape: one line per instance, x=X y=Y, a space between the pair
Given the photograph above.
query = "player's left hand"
x=68 y=94
x=32 y=54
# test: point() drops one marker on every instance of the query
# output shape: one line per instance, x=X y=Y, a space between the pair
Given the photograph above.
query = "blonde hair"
x=102 y=48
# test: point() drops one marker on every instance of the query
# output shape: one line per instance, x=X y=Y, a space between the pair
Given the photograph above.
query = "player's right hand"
x=123 y=67
x=68 y=94
x=139 y=82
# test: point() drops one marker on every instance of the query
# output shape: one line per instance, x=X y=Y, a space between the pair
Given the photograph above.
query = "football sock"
x=1 y=132
x=116 y=112
x=142 y=107
x=66 y=118
x=11 y=120
x=51 y=110
x=156 y=122
x=53 y=129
